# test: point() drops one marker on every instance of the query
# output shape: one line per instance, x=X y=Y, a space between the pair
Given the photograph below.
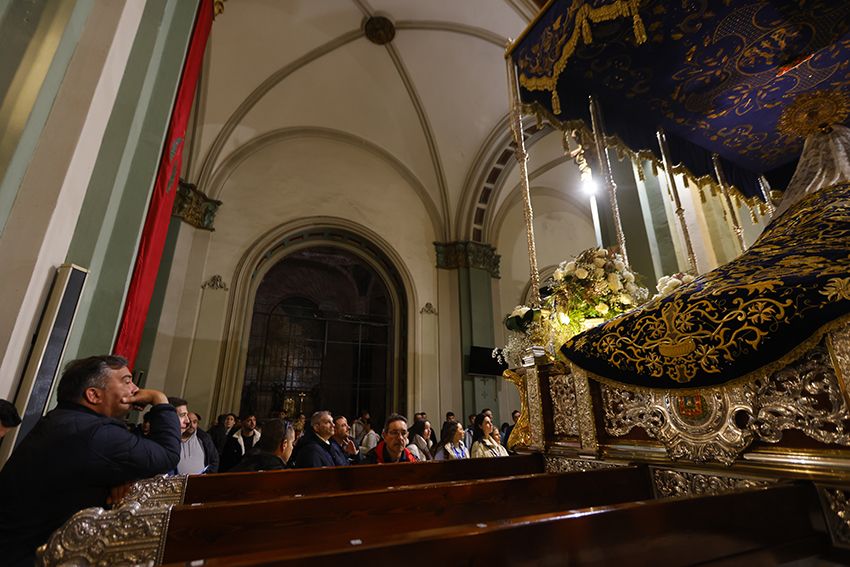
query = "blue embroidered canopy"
x=755 y=313
x=743 y=78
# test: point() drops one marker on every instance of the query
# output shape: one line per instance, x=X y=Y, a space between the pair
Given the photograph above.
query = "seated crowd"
x=83 y=454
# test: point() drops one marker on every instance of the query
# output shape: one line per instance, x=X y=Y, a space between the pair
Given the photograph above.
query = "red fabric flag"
x=165 y=188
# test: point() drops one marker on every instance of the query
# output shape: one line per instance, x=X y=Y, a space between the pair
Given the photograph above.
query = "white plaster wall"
x=40 y=225
x=281 y=184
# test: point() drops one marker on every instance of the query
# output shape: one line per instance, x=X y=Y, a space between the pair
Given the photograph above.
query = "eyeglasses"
x=397 y=432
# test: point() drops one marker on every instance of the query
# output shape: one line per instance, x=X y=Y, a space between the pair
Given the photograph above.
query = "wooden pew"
x=302 y=525
x=764 y=526
x=273 y=484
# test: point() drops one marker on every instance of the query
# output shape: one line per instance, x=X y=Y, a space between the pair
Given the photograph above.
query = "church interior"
x=626 y=219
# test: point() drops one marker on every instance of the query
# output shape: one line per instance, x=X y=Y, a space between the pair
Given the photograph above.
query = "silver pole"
x=605 y=166
x=522 y=160
x=724 y=188
x=674 y=192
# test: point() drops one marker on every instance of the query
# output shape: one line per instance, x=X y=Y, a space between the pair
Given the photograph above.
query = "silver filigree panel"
x=129 y=535
x=717 y=424
x=836 y=508
x=557 y=464
x=678 y=484
x=157 y=491
x=806 y=396
x=563 y=394
x=698 y=428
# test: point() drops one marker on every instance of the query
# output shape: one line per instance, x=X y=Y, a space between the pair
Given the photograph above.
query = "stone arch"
x=270 y=249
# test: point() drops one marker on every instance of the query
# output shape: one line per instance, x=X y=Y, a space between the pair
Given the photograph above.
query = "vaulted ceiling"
x=433 y=100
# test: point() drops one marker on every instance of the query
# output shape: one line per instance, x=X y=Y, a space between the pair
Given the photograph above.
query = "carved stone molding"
x=467 y=254
x=557 y=464
x=215 y=282
x=218 y=7
x=193 y=207
x=835 y=502
x=428 y=309
x=679 y=484
x=157 y=491
x=129 y=535
x=563 y=393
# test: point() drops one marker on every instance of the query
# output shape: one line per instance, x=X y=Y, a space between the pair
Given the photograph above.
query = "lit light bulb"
x=563 y=318
x=588 y=185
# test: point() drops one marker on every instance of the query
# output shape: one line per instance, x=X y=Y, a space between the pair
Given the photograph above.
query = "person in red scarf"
x=393 y=446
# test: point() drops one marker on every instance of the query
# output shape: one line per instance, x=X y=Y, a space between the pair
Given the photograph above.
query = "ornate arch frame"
x=286 y=239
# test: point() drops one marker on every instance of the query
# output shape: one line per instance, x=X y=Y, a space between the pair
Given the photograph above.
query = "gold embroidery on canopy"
x=558 y=43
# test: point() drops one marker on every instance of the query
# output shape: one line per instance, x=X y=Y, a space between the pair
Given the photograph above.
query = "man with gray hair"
x=313 y=449
x=81 y=450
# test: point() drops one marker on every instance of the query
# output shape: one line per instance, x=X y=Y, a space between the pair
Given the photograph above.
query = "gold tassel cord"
x=584 y=16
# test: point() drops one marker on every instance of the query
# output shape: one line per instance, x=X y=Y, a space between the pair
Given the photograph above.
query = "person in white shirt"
x=369 y=439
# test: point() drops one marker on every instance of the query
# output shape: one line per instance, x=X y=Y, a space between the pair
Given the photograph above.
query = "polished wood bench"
x=762 y=526
x=304 y=524
x=133 y=534
x=272 y=484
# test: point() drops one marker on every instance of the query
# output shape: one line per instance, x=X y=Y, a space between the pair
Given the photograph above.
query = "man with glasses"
x=393 y=446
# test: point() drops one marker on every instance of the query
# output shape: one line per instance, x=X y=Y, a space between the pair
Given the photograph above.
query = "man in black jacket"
x=272 y=451
x=79 y=451
x=343 y=450
x=313 y=449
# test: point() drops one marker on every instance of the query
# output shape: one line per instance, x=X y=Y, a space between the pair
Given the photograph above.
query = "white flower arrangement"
x=595 y=285
x=667 y=284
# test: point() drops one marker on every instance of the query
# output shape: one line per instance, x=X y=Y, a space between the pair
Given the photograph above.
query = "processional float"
x=738 y=378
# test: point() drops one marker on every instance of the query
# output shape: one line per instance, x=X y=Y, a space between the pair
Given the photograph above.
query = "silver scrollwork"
x=807 y=396
x=564 y=405
x=535 y=406
x=836 y=507
x=698 y=428
x=160 y=490
x=129 y=535
x=678 y=484
x=558 y=464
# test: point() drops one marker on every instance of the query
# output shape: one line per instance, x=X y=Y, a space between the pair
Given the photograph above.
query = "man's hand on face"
x=143 y=398
x=349 y=446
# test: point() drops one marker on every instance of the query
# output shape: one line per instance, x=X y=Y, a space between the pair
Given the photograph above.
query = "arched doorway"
x=326 y=333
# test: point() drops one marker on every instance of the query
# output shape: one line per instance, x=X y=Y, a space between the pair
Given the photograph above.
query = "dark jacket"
x=234 y=449
x=340 y=457
x=379 y=455
x=71 y=460
x=210 y=451
x=311 y=451
x=257 y=460
x=218 y=434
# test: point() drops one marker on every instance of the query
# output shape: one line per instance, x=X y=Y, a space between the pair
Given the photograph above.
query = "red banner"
x=165 y=188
